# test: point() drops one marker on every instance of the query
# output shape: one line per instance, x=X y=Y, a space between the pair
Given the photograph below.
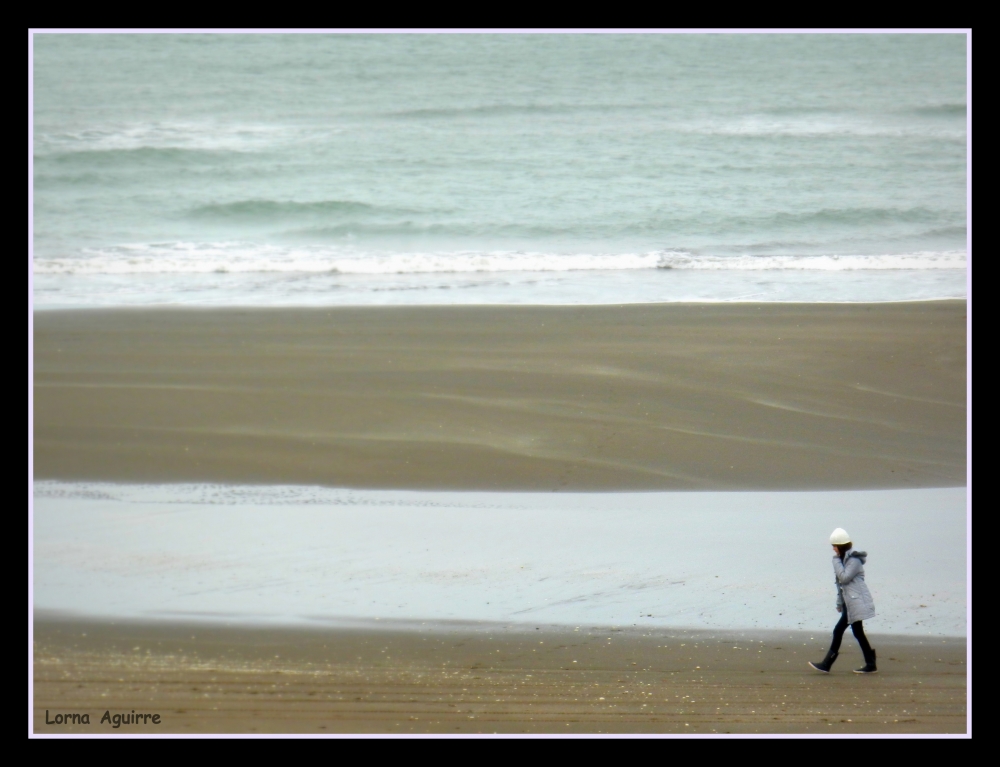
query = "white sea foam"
x=178 y=134
x=624 y=286
x=764 y=125
x=832 y=263
x=236 y=257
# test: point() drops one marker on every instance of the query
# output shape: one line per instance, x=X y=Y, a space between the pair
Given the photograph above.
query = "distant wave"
x=952 y=109
x=281 y=209
x=946 y=231
x=329 y=219
x=765 y=125
x=412 y=226
x=183 y=135
x=145 y=155
x=855 y=216
x=774 y=121
x=190 y=258
x=942 y=110
x=805 y=221
x=494 y=110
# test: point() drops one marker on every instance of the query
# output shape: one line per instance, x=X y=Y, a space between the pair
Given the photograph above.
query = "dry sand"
x=641 y=397
x=483 y=679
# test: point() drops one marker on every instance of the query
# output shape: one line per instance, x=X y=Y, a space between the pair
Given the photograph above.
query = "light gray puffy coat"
x=852 y=593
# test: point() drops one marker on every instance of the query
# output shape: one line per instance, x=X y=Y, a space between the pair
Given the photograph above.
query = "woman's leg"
x=831 y=655
x=866 y=649
x=859 y=634
x=838 y=632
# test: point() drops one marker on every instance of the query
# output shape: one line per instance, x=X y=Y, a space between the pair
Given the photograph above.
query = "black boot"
x=825 y=664
x=869 y=667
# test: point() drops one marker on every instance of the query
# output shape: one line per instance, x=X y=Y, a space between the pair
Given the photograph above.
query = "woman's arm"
x=846 y=571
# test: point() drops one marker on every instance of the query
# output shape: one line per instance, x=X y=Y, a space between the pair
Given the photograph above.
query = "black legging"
x=859 y=634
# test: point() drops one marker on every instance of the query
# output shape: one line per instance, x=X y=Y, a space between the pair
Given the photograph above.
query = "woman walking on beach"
x=854 y=602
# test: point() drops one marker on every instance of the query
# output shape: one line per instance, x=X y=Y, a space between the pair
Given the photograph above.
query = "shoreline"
x=321 y=308
x=568 y=398
x=478 y=680
x=69 y=621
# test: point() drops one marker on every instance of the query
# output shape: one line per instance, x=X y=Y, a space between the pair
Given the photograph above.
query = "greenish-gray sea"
x=264 y=169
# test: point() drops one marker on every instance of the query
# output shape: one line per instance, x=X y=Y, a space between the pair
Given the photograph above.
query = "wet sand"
x=486 y=679
x=311 y=556
x=641 y=397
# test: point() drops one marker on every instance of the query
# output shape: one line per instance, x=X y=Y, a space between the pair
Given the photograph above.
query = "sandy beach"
x=642 y=397
x=486 y=679
x=498 y=383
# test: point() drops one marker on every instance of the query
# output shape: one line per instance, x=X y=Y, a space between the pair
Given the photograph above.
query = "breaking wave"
x=194 y=258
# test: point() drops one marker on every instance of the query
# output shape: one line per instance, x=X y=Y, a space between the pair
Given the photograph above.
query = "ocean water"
x=319 y=169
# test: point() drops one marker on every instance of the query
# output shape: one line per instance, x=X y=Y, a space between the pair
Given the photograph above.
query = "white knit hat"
x=839 y=537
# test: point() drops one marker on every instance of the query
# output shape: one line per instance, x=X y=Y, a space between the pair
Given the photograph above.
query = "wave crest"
x=281 y=209
x=194 y=258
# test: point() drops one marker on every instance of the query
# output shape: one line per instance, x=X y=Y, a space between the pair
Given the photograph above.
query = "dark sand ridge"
x=486 y=679
x=642 y=397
